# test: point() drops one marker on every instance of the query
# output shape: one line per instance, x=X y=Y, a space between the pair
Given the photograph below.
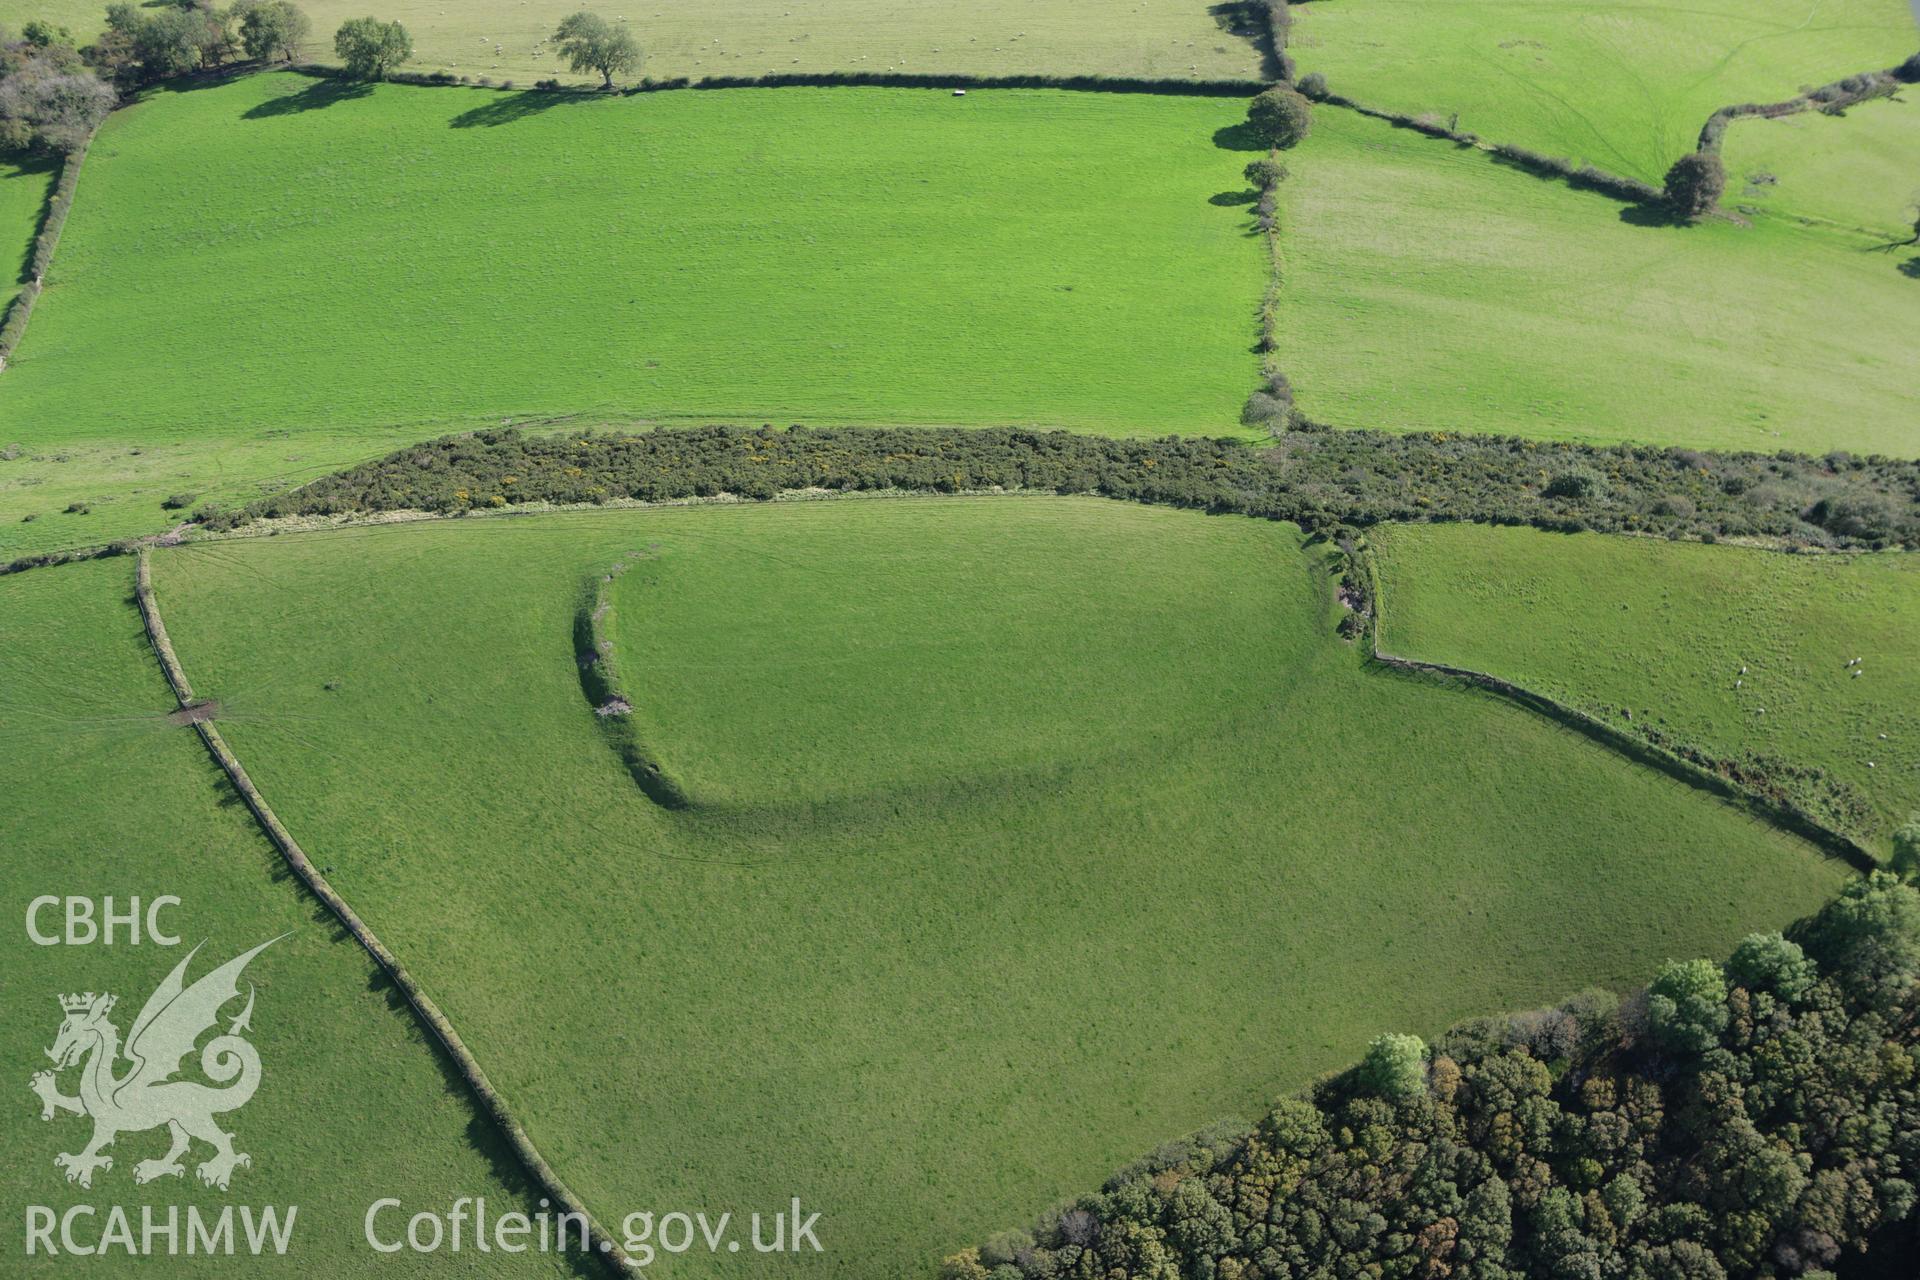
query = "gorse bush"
x=1576 y=482
x=1853 y=516
x=1266 y=408
x=1761 y=1120
x=1319 y=479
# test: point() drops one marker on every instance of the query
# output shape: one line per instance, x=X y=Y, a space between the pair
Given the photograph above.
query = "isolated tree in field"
x=590 y=43
x=370 y=49
x=1280 y=117
x=272 y=30
x=1694 y=184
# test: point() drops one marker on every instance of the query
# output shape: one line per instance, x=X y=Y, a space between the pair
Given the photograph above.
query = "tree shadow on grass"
x=1245 y=20
x=1238 y=137
x=1228 y=199
x=507 y=108
x=315 y=97
x=1652 y=215
x=1911 y=268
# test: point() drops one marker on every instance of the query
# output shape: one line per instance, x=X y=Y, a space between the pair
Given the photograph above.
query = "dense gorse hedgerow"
x=1759 y=1118
x=1317 y=478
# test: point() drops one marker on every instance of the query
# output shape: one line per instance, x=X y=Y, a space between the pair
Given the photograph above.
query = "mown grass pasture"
x=1858 y=172
x=507 y=40
x=348 y=267
x=100 y=795
x=1742 y=652
x=1063 y=818
x=1430 y=288
x=1624 y=86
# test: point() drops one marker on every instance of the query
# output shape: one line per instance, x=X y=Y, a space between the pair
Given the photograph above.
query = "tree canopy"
x=272 y=29
x=590 y=43
x=50 y=100
x=1757 y=1122
x=370 y=49
x=141 y=46
x=1280 y=116
x=1695 y=183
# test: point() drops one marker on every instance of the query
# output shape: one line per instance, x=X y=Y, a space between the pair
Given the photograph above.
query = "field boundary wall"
x=495 y=1106
x=1638 y=749
x=53 y=219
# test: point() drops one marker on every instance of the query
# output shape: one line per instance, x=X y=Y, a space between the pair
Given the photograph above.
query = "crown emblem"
x=82 y=1003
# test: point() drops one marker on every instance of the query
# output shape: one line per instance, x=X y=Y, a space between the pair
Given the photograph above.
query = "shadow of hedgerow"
x=507 y=108
x=317 y=96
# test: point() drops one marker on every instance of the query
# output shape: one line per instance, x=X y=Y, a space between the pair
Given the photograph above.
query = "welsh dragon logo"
x=146 y=1096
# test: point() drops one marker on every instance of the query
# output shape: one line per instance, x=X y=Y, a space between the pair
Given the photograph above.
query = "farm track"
x=191 y=710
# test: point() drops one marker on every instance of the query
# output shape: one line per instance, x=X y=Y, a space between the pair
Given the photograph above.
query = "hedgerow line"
x=1832 y=98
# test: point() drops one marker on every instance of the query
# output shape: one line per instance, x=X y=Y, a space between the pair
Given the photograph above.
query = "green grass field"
x=1622 y=85
x=100 y=795
x=1859 y=172
x=24 y=184
x=122 y=485
x=1429 y=288
x=1663 y=629
x=1055 y=817
x=506 y=39
x=277 y=257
